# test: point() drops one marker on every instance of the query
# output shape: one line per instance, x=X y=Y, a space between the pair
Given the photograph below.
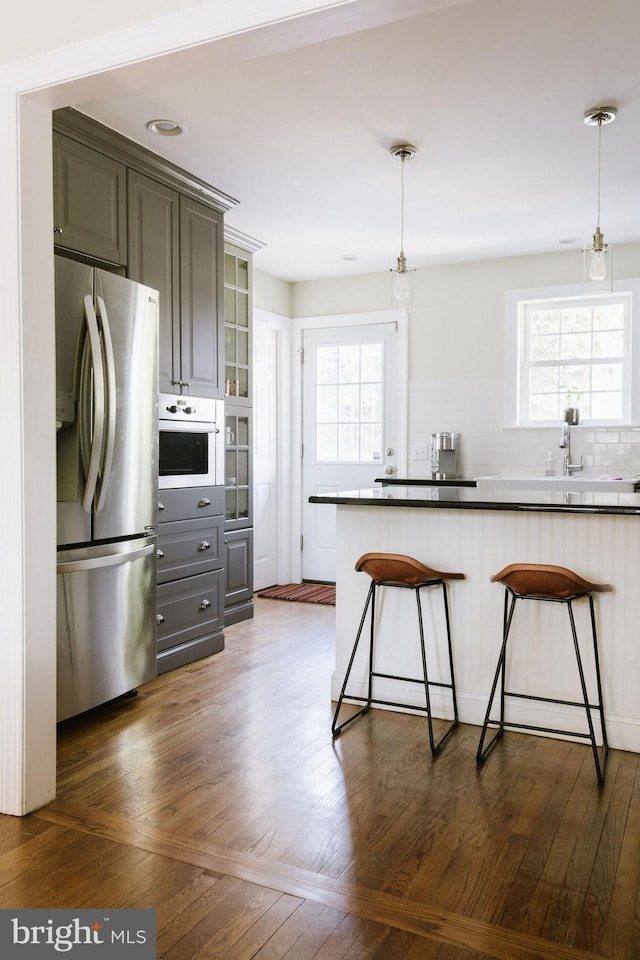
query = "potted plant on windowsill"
x=572 y=410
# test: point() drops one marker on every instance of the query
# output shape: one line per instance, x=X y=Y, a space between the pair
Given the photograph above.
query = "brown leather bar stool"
x=398 y=570
x=545 y=582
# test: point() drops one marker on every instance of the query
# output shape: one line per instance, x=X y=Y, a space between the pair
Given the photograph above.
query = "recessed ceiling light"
x=166 y=128
x=349 y=256
x=567 y=240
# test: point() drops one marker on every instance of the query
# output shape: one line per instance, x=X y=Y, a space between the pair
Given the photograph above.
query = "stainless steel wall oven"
x=191 y=441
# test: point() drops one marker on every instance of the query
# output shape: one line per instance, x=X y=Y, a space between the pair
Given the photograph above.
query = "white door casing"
x=265 y=456
x=356 y=336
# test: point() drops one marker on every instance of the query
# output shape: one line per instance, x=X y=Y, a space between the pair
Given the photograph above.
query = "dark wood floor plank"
x=248 y=944
x=287 y=940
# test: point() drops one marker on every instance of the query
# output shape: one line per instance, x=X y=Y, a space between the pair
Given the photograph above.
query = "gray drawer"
x=190 y=503
x=188 y=609
x=190 y=547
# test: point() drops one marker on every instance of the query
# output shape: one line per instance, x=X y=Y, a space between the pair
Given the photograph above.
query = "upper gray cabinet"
x=89 y=201
x=176 y=246
x=154 y=259
x=201 y=299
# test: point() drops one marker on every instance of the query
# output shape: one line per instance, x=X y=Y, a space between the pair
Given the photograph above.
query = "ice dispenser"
x=444 y=455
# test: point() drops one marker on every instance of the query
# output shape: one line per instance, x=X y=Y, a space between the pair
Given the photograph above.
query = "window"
x=349 y=402
x=570 y=350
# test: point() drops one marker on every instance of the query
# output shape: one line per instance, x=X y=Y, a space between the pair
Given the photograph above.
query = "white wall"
x=271 y=294
x=456 y=358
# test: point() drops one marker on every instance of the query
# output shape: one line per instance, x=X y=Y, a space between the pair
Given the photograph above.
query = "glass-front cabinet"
x=237 y=468
x=238 y=479
x=237 y=327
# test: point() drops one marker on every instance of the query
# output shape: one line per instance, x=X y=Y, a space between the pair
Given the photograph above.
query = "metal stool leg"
x=583 y=685
x=335 y=728
x=499 y=674
x=436 y=747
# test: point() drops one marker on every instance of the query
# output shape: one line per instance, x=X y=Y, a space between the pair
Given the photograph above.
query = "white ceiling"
x=296 y=124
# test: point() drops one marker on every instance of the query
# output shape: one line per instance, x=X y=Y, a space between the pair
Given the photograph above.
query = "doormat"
x=304 y=592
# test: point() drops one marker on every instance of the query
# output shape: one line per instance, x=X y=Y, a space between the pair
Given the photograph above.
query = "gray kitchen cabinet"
x=237 y=325
x=238 y=513
x=89 y=201
x=238 y=572
x=238 y=463
x=191 y=555
x=176 y=246
x=201 y=300
x=154 y=259
x=189 y=620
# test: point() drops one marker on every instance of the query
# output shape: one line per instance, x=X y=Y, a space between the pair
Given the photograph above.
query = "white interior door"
x=351 y=417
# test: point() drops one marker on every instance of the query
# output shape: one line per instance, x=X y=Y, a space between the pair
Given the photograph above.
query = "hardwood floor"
x=218 y=798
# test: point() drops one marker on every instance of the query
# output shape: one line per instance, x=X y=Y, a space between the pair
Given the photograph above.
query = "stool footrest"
x=530 y=726
x=420 y=680
x=565 y=703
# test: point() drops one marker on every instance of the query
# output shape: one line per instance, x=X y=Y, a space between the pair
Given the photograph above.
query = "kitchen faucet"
x=565 y=444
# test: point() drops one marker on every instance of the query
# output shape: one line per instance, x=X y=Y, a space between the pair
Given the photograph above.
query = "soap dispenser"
x=550 y=465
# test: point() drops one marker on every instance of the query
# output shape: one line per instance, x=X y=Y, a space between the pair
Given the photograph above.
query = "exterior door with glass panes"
x=350 y=416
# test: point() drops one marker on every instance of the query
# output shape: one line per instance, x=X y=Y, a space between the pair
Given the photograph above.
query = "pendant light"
x=401 y=275
x=597 y=256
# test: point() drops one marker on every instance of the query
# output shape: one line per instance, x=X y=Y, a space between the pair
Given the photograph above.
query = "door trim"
x=282 y=327
x=299 y=325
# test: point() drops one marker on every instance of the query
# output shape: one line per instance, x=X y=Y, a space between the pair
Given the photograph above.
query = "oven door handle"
x=110 y=404
x=92 y=389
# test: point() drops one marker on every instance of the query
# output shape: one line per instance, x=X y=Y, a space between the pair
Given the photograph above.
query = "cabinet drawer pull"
x=205 y=545
x=160 y=505
x=160 y=554
x=204 y=502
x=204 y=605
x=159 y=619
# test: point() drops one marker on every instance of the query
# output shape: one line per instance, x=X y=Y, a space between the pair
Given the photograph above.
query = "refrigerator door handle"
x=105 y=560
x=110 y=404
x=94 y=430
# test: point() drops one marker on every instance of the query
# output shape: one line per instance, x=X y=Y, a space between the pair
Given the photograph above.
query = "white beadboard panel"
x=604 y=549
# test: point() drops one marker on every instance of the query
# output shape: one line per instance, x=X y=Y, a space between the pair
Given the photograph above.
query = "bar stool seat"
x=389 y=570
x=547 y=582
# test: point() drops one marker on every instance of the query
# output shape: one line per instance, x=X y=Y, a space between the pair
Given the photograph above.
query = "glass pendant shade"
x=597 y=269
x=402 y=284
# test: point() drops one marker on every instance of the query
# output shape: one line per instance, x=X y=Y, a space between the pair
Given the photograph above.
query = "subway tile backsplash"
x=473 y=407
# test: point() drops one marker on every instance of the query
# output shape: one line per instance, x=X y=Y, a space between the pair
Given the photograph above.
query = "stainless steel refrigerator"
x=107 y=448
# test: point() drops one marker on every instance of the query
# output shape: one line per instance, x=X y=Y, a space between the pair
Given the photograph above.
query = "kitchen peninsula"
x=461 y=529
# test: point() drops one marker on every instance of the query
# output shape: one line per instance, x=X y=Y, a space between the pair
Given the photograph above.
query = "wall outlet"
x=419 y=451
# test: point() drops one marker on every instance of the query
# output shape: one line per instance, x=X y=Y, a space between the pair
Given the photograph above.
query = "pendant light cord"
x=599 y=165
x=402 y=206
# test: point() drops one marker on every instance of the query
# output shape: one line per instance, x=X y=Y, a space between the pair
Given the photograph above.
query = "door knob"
x=389 y=471
x=389 y=452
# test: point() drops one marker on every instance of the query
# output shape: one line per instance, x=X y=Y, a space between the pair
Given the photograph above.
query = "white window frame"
x=515 y=303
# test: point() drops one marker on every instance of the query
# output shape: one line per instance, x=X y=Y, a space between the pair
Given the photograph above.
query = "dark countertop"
x=468 y=498
x=425 y=482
